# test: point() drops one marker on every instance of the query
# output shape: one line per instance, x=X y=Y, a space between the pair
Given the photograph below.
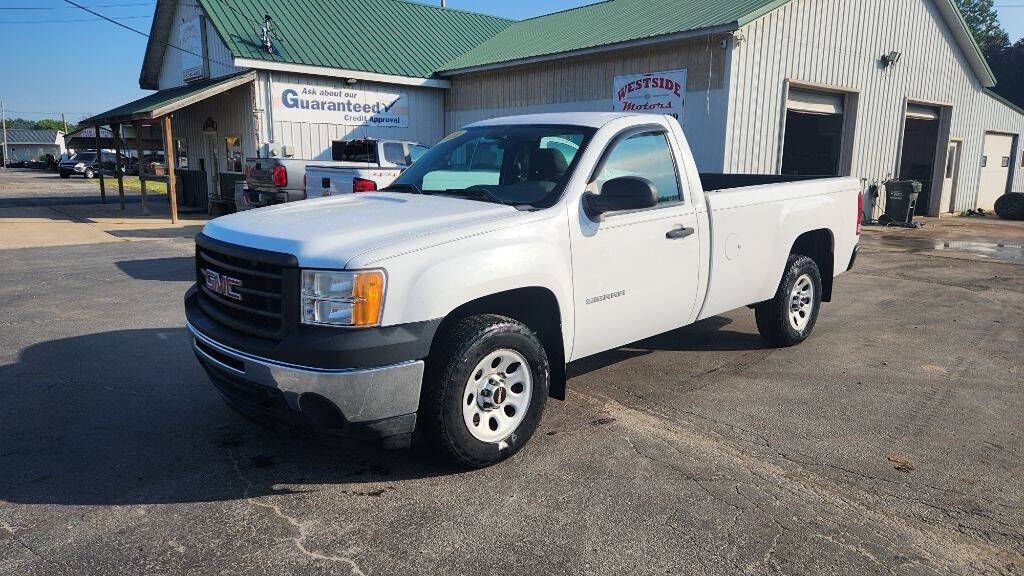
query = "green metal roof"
x=383 y=36
x=168 y=101
x=610 y=22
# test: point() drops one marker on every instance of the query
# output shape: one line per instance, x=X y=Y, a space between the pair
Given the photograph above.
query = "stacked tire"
x=1010 y=206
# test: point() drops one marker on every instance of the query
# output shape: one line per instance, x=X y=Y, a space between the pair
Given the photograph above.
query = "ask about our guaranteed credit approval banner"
x=327 y=105
x=654 y=93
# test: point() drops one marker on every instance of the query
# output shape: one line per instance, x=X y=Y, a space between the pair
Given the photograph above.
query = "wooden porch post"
x=169 y=159
x=142 y=179
x=99 y=162
x=116 y=133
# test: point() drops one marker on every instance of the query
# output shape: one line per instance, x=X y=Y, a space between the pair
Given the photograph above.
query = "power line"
x=144 y=35
x=70 y=20
x=65 y=7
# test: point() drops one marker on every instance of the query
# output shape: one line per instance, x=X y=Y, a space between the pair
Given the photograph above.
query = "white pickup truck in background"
x=452 y=301
x=270 y=181
x=364 y=166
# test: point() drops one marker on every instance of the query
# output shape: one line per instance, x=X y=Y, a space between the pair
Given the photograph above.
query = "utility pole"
x=65 y=122
x=3 y=120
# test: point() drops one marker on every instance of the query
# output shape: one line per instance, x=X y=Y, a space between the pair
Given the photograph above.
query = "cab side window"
x=647 y=155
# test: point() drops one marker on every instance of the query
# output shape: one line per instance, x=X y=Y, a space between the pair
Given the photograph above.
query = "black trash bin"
x=900 y=201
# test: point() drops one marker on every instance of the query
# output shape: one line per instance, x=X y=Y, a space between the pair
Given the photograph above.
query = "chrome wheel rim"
x=801 y=303
x=497 y=396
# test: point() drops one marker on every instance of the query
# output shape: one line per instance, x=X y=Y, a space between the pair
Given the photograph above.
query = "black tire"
x=773 y=316
x=1010 y=206
x=89 y=173
x=450 y=367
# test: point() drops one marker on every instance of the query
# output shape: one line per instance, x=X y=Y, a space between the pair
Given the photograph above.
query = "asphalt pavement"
x=889 y=442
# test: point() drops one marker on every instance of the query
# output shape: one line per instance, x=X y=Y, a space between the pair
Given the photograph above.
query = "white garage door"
x=995 y=169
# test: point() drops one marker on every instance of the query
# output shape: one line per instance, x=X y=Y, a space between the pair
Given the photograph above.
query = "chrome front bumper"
x=361 y=395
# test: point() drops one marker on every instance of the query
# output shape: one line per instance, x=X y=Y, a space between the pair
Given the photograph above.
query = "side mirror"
x=620 y=194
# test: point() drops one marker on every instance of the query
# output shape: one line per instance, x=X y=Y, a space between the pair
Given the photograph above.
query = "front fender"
x=429 y=284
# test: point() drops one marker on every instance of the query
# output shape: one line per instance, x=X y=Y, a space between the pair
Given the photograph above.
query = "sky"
x=88 y=66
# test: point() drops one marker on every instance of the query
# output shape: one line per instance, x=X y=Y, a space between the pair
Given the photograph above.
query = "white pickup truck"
x=452 y=301
x=366 y=166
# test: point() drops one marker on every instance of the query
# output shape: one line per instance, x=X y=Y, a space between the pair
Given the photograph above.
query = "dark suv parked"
x=85 y=164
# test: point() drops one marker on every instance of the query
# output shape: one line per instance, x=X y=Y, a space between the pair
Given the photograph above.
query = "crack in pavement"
x=13 y=532
x=300 y=540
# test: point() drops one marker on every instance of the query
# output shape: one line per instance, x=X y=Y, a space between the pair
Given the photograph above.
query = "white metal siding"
x=839 y=43
x=221 y=60
x=585 y=84
x=312 y=141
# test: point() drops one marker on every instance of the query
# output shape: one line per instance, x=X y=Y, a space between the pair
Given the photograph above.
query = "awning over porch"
x=141 y=115
x=168 y=101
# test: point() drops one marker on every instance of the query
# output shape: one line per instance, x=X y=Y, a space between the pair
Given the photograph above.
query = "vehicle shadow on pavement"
x=705 y=336
x=128 y=417
x=174 y=269
x=159 y=233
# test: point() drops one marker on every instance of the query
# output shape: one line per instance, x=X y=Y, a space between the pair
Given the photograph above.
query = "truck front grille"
x=248 y=294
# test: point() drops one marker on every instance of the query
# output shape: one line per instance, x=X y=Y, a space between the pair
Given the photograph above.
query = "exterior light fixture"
x=891 y=58
x=351 y=81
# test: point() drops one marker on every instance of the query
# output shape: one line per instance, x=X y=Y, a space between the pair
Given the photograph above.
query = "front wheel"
x=89 y=173
x=485 y=390
x=789 y=317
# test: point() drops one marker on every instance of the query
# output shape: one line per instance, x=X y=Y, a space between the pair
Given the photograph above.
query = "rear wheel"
x=1010 y=206
x=485 y=390
x=789 y=317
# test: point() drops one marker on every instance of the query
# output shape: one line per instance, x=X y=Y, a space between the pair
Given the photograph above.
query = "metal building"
x=32 y=145
x=873 y=89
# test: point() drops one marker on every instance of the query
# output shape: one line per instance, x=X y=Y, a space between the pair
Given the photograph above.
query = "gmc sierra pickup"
x=451 y=301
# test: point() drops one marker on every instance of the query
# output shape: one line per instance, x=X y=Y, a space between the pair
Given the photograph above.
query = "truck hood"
x=330 y=232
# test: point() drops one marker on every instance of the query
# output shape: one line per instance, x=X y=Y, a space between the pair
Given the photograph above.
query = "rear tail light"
x=860 y=211
x=280 y=176
x=363 y=185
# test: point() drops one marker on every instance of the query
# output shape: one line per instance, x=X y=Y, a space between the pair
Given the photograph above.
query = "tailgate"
x=334 y=181
x=259 y=175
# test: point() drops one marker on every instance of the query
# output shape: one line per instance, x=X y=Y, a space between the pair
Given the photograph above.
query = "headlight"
x=342 y=298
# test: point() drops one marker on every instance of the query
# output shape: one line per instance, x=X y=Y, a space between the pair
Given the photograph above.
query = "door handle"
x=679 y=233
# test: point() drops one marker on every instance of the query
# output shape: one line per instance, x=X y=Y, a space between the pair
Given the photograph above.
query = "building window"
x=233 y=153
x=1006 y=162
x=181 y=148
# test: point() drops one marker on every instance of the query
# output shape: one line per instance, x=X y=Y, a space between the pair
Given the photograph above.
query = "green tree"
x=1007 y=65
x=20 y=124
x=983 y=20
x=51 y=124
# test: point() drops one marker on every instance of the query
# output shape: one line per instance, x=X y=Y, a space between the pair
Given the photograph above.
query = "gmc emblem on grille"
x=221 y=284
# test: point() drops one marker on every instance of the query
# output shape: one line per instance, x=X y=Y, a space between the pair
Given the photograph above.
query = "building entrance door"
x=951 y=176
x=212 y=166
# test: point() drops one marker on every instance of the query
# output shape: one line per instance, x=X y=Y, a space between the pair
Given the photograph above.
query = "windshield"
x=84 y=157
x=523 y=166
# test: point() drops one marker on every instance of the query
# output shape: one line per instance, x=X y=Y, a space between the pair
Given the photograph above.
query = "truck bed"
x=712 y=181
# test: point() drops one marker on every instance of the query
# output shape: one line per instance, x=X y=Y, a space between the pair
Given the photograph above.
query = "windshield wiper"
x=476 y=192
x=403 y=188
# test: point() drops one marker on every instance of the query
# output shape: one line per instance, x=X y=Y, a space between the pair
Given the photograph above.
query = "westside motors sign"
x=326 y=105
x=654 y=93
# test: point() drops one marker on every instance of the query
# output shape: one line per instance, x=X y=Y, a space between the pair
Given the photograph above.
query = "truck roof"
x=591 y=119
